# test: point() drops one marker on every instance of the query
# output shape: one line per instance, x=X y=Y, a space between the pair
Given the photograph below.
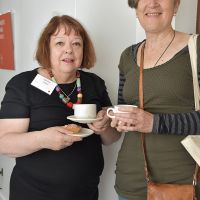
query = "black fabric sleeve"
x=122 y=80
x=179 y=124
x=15 y=103
x=122 y=71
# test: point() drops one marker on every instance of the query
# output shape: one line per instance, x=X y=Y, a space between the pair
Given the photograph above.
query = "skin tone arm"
x=102 y=127
x=135 y=120
x=16 y=141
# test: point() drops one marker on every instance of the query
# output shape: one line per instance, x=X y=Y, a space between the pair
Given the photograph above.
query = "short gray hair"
x=133 y=3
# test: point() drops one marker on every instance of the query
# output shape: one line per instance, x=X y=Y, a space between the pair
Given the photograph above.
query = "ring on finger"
x=119 y=123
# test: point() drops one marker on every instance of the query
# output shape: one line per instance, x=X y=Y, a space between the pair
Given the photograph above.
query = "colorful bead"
x=61 y=96
x=70 y=104
x=78 y=82
x=78 y=89
x=79 y=95
x=66 y=99
x=58 y=89
x=53 y=79
x=78 y=74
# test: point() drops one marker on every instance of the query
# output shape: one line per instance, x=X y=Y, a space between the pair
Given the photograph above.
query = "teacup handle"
x=108 y=110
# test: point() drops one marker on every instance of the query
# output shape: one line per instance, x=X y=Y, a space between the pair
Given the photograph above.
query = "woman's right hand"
x=56 y=138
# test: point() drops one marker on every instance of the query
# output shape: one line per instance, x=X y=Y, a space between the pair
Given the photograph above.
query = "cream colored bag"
x=192 y=142
x=192 y=45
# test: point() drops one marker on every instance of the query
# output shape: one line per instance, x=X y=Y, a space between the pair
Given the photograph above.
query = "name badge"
x=43 y=84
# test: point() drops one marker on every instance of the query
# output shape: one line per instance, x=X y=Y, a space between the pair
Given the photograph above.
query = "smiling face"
x=66 y=50
x=156 y=15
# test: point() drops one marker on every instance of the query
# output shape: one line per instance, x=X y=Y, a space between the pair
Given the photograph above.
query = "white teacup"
x=115 y=109
x=87 y=111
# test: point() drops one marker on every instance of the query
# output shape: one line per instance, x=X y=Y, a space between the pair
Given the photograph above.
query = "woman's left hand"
x=102 y=124
x=135 y=119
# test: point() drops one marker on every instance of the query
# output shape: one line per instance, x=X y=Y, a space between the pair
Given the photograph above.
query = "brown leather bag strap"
x=146 y=168
x=141 y=104
x=141 y=96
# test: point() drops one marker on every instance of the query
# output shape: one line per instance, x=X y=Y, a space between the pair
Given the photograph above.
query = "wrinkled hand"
x=102 y=124
x=56 y=138
x=135 y=119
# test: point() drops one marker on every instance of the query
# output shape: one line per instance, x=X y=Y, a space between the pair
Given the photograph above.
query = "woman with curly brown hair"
x=51 y=162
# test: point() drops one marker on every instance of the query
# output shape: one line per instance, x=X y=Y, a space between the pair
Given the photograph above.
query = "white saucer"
x=83 y=120
x=84 y=132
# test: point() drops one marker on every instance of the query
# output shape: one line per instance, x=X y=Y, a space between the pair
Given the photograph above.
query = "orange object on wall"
x=6 y=42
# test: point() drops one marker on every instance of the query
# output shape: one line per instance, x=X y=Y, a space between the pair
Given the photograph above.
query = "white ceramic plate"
x=84 y=132
x=83 y=120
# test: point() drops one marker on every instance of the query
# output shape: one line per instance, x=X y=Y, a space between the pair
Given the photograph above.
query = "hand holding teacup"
x=119 y=115
x=89 y=111
x=102 y=124
x=130 y=118
x=119 y=109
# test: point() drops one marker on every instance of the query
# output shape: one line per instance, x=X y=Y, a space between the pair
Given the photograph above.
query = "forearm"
x=109 y=136
x=20 y=144
x=179 y=124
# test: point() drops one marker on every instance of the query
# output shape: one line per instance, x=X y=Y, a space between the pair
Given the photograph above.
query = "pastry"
x=73 y=128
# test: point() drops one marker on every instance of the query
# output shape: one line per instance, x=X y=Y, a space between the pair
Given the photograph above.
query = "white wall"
x=112 y=27
x=186 y=16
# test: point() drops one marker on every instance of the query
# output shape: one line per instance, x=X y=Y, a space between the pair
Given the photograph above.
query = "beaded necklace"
x=66 y=98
